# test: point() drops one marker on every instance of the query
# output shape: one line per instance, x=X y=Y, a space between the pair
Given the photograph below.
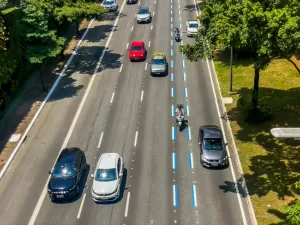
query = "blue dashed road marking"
x=172 y=92
x=185 y=93
x=175 y=195
x=173 y=133
x=172 y=63
x=172 y=77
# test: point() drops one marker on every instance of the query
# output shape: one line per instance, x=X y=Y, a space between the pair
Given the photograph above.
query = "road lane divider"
x=149 y=43
x=153 y=13
x=185 y=93
x=171 y=12
x=112 y=98
x=121 y=68
x=175 y=195
x=183 y=76
x=146 y=66
x=154 y=2
x=44 y=191
x=172 y=42
x=142 y=95
x=188 y=134
x=174 y=161
x=194 y=196
x=173 y=110
x=172 y=92
x=171 y=33
x=135 y=138
x=81 y=205
x=180 y=25
x=171 y=25
x=172 y=52
x=187 y=110
x=127 y=45
x=132 y=28
x=171 y=19
x=100 y=140
x=151 y=26
x=172 y=76
x=171 y=6
x=173 y=133
x=182 y=63
x=172 y=63
x=127 y=204
x=191 y=160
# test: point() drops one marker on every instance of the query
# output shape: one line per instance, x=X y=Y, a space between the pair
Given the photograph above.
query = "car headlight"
x=224 y=159
x=115 y=191
x=204 y=159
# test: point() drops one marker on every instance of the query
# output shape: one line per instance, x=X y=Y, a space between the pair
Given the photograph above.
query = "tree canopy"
x=41 y=42
x=264 y=29
x=74 y=12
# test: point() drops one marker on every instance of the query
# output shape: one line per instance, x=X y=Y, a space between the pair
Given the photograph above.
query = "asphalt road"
x=119 y=107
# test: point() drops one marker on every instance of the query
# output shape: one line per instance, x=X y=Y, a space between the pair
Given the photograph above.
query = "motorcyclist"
x=176 y=30
x=179 y=113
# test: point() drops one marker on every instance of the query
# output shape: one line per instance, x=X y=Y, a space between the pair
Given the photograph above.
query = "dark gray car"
x=212 y=147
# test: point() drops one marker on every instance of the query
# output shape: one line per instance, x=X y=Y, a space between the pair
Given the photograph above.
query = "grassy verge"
x=271 y=166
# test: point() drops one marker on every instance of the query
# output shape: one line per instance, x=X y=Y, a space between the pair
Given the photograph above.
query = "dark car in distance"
x=212 y=147
x=65 y=178
x=131 y=1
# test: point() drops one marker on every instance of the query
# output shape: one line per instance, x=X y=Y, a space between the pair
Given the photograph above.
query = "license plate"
x=59 y=196
x=157 y=73
x=215 y=164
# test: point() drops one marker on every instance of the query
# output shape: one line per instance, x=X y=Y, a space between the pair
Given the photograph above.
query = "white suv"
x=108 y=177
x=192 y=27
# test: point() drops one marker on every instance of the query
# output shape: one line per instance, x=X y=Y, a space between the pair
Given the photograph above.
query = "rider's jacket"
x=179 y=112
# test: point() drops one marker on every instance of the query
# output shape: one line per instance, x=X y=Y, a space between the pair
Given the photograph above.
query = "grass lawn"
x=271 y=166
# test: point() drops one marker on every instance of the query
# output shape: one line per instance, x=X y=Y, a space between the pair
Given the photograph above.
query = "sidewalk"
x=21 y=110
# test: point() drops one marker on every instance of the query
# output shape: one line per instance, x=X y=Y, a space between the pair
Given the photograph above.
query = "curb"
x=237 y=160
x=14 y=153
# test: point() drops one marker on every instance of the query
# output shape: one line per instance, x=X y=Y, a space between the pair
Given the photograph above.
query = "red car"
x=137 y=51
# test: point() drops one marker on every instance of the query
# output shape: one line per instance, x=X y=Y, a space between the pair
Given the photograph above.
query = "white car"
x=192 y=27
x=110 y=5
x=108 y=177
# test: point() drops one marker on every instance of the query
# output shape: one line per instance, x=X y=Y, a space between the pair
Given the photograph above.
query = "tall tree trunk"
x=77 y=27
x=255 y=88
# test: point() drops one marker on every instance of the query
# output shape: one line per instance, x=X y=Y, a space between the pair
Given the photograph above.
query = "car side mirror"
x=49 y=172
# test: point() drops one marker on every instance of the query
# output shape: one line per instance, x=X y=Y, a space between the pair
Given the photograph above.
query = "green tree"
x=8 y=64
x=40 y=42
x=75 y=12
x=266 y=29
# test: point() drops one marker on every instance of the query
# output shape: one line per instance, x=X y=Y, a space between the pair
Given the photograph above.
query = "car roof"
x=68 y=155
x=137 y=43
x=193 y=21
x=108 y=161
x=158 y=57
x=144 y=8
x=211 y=131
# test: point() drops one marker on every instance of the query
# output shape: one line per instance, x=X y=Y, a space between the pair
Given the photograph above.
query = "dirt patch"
x=34 y=97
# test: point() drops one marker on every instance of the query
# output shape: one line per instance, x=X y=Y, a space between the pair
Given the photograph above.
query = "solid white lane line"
x=151 y=27
x=121 y=67
x=44 y=192
x=195 y=196
x=142 y=95
x=127 y=204
x=100 y=140
x=132 y=28
x=153 y=13
x=127 y=45
x=135 y=138
x=149 y=43
x=225 y=139
x=146 y=66
x=112 y=98
x=81 y=205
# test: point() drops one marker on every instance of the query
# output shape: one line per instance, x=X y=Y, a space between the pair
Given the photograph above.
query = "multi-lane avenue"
x=105 y=103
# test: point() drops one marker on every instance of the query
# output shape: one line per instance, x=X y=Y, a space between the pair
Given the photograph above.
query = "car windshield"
x=158 y=61
x=194 y=25
x=213 y=144
x=136 y=48
x=109 y=3
x=143 y=11
x=63 y=171
x=106 y=175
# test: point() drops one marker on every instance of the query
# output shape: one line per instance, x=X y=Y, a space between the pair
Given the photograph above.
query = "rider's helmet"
x=176 y=27
x=180 y=107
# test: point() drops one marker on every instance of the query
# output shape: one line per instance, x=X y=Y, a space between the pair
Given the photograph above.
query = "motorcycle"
x=180 y=120
x=177 y=36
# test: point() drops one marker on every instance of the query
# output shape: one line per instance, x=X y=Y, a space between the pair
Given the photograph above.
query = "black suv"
x=66 y=175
